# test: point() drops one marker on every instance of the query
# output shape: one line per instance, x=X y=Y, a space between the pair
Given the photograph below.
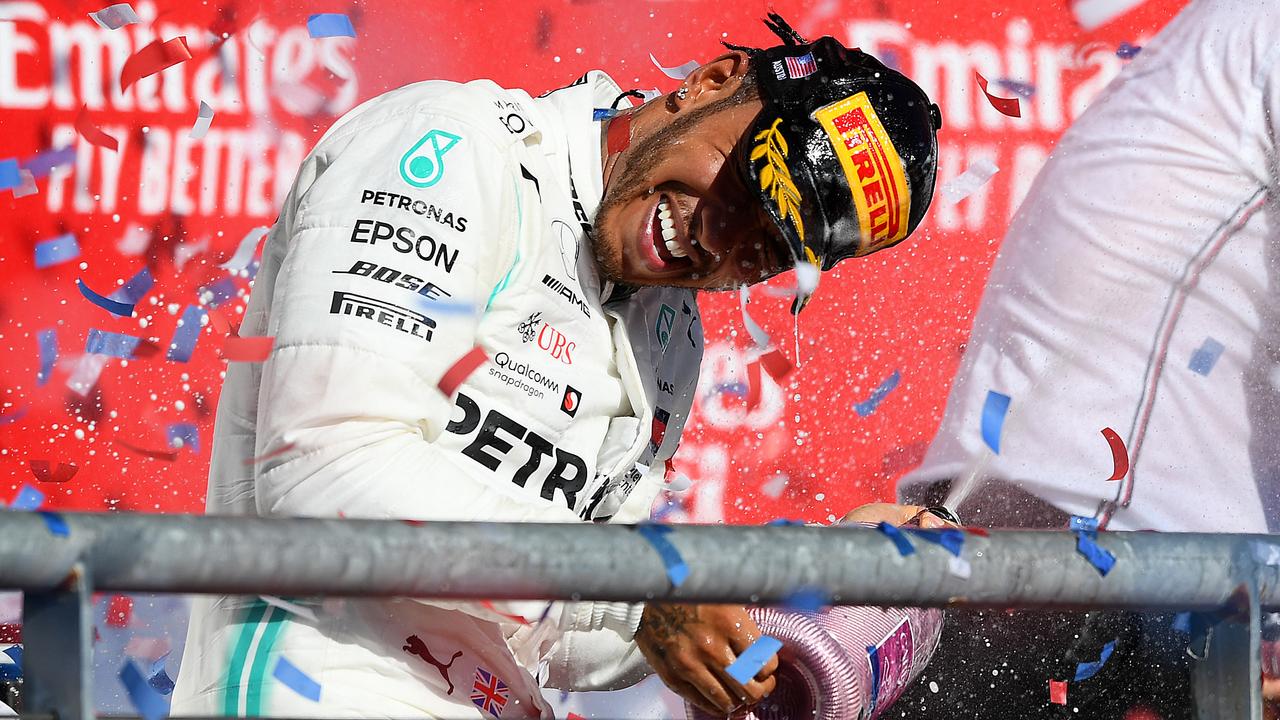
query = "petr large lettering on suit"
x=496 y=440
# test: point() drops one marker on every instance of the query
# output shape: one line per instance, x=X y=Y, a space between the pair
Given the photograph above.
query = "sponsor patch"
x=571 y=402
x=489 y=693
x=662 y=328
x=417 y=207
x=382 y=312
x=873 y=168
x=423 y=165
x=803 y=66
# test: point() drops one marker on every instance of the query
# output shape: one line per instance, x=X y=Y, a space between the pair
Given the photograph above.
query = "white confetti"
x=203 y=120
x=28 y=186
x=969 y=181
x=184 y=252
x=650 y=94
x=679 y=482
x=135 y=242
x=774 y=487
x=294 y=608
x=807 y=275
x=1266 y=553
x=1091 y=14
x=679 y=72
x=86 y=373
x=114 y=17
x=756 y=332
x=959 y=567
x=247 y=249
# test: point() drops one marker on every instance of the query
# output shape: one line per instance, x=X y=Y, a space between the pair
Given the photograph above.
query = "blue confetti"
x=28 y=498
x=1206 y=356
x=150 y=704
x=115 y=307
x=330 y=25
x=187 y=433
x=1083 y=524
x=993 y=414
x=61 y=249
x=56 y=523
x=101 y=342
x=1024 y=90
x=1086 y=670
x=135 y=289
x=1127 y=51
x=221 y=291
x=736 y=389
x=158 y=678
x=296 y=680
x=744 y=669
x=786 y=522
x=12 y=671
x=904 y=545
x=1182 y=623
x=186 y=334
x=1098 y=556
x=806 y=599
x=599 y=114
x=43 y=162
x=868 y=406
x=48 y=340
x=677 y=570
x=950 y=538
x=9 y=175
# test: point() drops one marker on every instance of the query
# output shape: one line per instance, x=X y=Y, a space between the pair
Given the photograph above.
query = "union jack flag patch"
x=803 y=66
x=489 y=693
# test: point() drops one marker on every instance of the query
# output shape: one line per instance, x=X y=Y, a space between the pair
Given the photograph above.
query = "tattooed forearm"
x=666 y=622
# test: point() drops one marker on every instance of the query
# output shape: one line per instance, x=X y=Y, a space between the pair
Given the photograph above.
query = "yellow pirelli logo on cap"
x=872 y=167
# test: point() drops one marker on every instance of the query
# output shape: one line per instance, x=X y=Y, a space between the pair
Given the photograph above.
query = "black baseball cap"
x=844 y=153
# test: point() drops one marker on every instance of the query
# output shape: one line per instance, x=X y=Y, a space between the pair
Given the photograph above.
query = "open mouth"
x=665 y=241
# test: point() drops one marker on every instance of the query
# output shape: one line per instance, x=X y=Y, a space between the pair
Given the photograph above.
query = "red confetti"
x=247 y=349
x=166 y=456
x=1119 y=454
x=619 y=133
x=753 y=385
x=980 y=532
x=152 y=59
x=119 y=611
x=461 y=370
x=40 y=468
x=1057 y=692
x=221 y=326
x=776 y=364
x=268 y=456
x=92 y=134
x=488 y=605
x=1006 y=106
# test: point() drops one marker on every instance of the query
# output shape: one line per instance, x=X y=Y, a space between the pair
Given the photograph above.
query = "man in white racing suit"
x=564 y=238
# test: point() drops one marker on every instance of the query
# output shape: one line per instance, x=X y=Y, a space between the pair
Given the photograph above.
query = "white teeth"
x=673 y=247
x=668 y=233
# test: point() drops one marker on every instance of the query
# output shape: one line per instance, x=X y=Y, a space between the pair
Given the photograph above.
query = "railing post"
x=1227 y=680
x=57 y=658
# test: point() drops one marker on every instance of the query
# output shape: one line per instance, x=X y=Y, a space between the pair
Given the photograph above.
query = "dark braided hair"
x=749 y=89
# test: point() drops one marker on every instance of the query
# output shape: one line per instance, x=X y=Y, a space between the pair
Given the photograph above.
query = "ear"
x=714 y=80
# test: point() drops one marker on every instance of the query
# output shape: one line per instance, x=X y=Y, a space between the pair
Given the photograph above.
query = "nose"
x=735 y=234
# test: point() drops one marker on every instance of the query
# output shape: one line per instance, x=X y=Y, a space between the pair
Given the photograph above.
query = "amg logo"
x=567 y=293
x=383 y=313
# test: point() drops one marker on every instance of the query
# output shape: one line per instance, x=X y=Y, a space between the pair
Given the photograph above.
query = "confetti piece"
x=786 y=522
x=221 y=326
x=753 y=385
x=487 y=604
x=330 y=25
x=774 y=487
x=1086 y=670
x=101 y=342
x=1098 y=556
x=651 y=94
x=114 y=307
x=1022 y=89
x=1005 y=106
x=9 y=175
x=993 y=414
x=158 y=678
x=736 y=389
x=114 y=17
x=776 y=364
x=246 y=250
x=12 y=670
x=45 y=161
x=187 y=334
x=184 y=252
x=1080 y=523
x=119 y=611
x=135 y=289
x=950 y=538
x=806 y=599
x=1265 y=553
x=150 y=704
x=162 y=455
x=135 y=241
x=85 y=375
x=807 y=276
x=678 y=72
x=13 y=416
x=247 y=349
x=92 y=133
x=677 y=570
x=61 y=249
x=289 y=607
x=904 y=545
x=152 y=59
x=48 y=343
x=270 y=455
x=757 y=333
x=959 y=567
x=1127 y=51
x=27 y=186
x=182 y=435
x=970 y=181
x=752 y=659
x=1057 y=692
x=599 y=114
x=1206 y=356
x=41 y=470
x=219 y=292
x=868 y=406
x=56 y=523
x=1119 y=454
x=204 y=118
x=28 y=499
x=1182 y=623
x=1092 y=14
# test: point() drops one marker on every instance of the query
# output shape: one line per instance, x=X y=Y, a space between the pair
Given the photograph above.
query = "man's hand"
x=894 y=515
x=689 y=646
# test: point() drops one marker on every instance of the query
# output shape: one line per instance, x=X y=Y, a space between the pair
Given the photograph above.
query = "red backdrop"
x=179 y=207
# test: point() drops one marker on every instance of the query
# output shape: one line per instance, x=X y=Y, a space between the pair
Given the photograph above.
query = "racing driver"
x=564 y=237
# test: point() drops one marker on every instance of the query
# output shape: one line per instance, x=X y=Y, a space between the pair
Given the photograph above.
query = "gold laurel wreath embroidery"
x=775 y=178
